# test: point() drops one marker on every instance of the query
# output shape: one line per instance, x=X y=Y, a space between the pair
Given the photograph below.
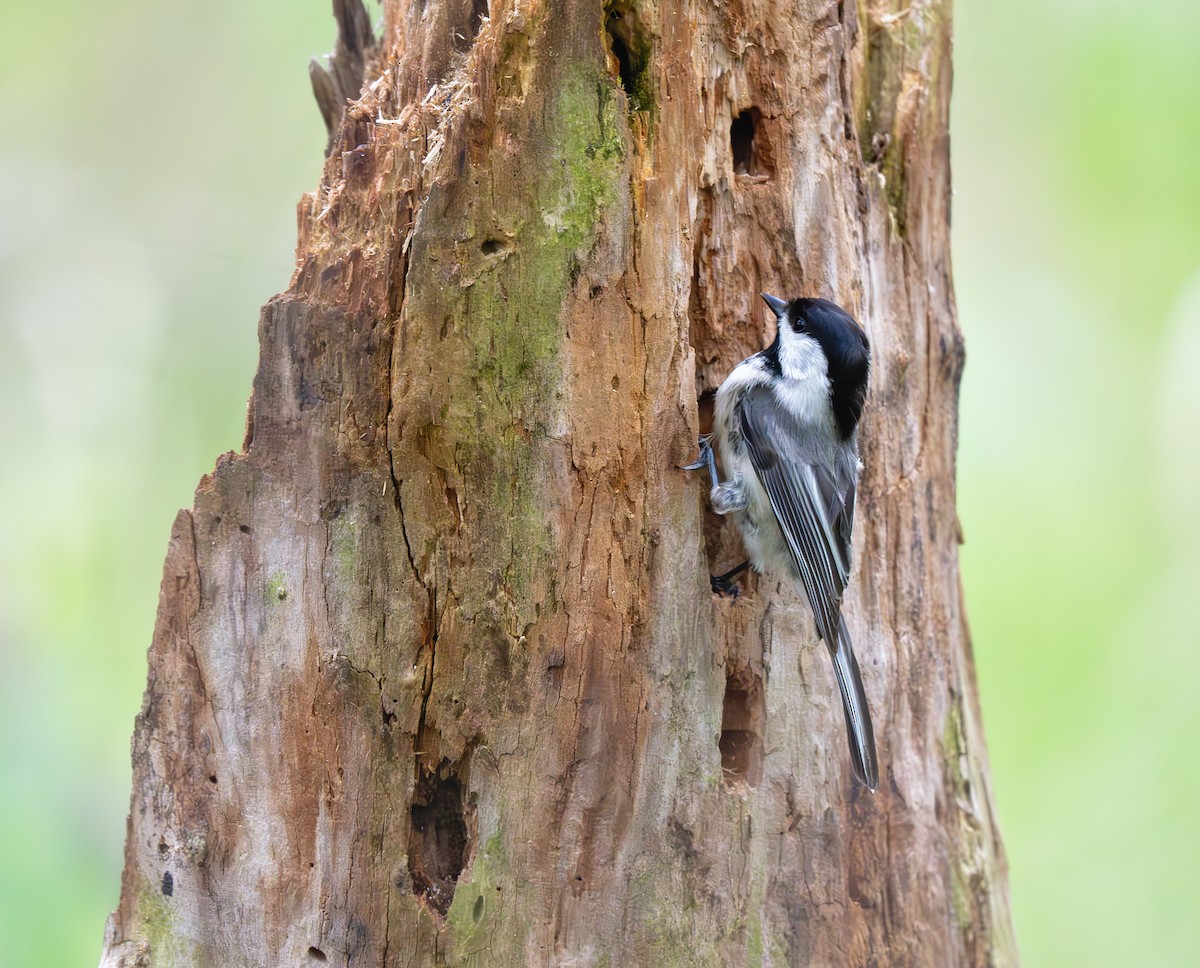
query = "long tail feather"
x=854 y=705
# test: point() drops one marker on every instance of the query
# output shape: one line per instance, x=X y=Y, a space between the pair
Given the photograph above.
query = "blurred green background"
x=151 y=156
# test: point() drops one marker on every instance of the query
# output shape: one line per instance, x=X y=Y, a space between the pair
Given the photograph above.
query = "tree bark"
x=437 y=678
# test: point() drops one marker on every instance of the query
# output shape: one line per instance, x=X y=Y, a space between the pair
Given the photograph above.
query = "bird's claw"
x=701 y=460
x=725 y=587
x=724 y=584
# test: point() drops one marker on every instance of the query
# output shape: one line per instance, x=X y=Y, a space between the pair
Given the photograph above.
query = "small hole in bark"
x=621 y=53
x=741 y=140
x=438 y=845
x=464 y=36
x=479 y=13
x=735 y=752
x=741 y=727
x=212 y=778
x=244 y=528
x=750 y=154
x=631 y=52
x=331 y=510
x=316 y=954
x=704 y=406
x=555 y=661
x=491 y=246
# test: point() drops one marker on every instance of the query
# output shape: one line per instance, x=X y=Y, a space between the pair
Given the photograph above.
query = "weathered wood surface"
x=437 y=678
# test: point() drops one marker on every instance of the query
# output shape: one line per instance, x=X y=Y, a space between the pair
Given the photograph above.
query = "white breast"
x=802 y=388
x=764 y=542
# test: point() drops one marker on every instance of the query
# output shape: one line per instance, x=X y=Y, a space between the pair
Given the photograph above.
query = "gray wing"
x=812 y=494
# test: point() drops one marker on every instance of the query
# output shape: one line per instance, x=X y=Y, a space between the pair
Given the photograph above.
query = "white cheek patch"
x=804 y=389
x=800 y=356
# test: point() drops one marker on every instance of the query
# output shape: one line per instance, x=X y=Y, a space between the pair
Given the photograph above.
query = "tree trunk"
x=437 y=678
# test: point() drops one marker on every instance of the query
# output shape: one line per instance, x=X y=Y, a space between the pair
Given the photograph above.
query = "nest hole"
x=722 y=543
x=741 y=730
x=463 y=34
x=630 y=50
x=705 y=406
x=751 y=153
x=437 y=849
x=479 y=13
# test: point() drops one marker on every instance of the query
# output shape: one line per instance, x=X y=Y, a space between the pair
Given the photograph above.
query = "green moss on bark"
x=156 y=924
x=276 y=591
x=470 y=919
x=512 y=314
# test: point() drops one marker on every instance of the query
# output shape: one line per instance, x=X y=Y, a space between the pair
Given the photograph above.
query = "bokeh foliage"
x=151 y=156
x=1076 y=133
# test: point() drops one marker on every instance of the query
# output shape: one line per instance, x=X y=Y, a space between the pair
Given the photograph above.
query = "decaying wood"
x=335 y=85
x=437 y=677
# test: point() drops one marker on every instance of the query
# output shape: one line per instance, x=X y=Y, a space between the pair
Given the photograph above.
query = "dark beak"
x=778 y=306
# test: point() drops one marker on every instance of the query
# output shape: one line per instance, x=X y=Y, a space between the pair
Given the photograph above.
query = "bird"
x=785 y=427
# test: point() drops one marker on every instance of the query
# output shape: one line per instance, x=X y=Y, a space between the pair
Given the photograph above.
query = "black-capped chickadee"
x=785 y=427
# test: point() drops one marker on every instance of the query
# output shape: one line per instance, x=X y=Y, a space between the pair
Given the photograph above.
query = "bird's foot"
x=724 y=585
x=704 y=458
x=728 y=496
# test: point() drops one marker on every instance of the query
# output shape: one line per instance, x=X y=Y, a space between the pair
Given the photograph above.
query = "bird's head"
x=845 y=347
